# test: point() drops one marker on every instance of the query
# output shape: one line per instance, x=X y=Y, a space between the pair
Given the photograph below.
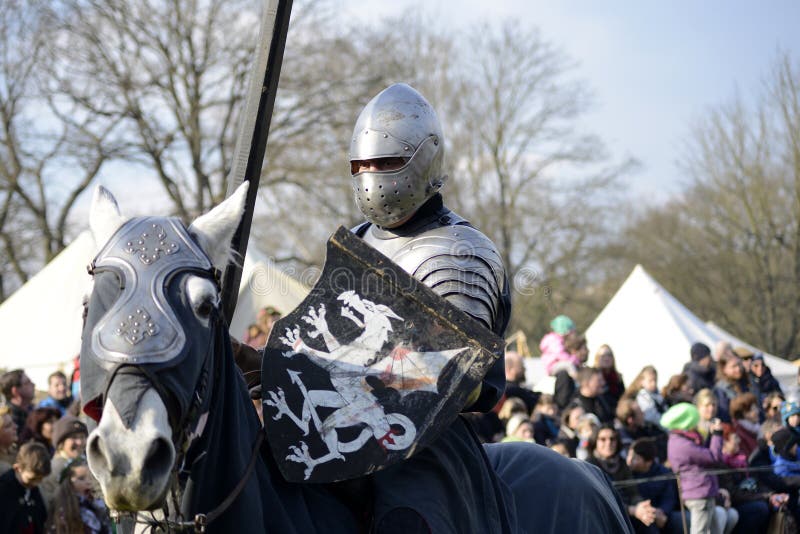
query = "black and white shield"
x=368 y=369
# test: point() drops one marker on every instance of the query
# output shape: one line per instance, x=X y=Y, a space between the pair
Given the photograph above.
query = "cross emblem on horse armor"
x=151 y=245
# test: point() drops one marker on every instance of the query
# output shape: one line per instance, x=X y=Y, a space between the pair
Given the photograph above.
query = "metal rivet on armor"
x=130 y=244
x=406 y=148
x=135 y=331
x=130 y=317
x=385 y=136
x=141 y=242
x=145 y=234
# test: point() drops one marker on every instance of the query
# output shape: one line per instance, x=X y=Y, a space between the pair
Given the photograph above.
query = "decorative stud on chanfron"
x=136 y=327
x=151 y=245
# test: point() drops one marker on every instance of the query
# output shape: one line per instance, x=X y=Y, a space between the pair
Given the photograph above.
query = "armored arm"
x=462 y=265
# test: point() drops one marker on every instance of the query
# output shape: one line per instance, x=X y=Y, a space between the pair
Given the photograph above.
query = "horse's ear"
x=104 y=216
x=215 y=229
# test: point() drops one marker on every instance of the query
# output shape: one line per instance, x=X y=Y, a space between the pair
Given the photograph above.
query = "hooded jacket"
x=765 y=384
x=689 y=460
x=553 y=353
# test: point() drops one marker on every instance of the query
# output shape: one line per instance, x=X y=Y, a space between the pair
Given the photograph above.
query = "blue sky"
x=655 y=67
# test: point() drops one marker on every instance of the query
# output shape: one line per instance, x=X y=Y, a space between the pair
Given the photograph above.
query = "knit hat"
x=758 y=356
x=682 y=416
x=66 y=427
x=782 y=441
x=699 y=351
x=562 y=325
x=788 y=409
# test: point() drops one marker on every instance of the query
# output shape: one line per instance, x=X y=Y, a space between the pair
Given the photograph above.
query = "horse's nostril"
x=159 y=459
x=96 y=453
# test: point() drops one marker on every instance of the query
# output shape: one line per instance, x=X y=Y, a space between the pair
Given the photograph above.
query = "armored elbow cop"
x=397 y=123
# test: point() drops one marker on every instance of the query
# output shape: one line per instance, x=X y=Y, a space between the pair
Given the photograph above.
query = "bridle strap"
x=201 y=521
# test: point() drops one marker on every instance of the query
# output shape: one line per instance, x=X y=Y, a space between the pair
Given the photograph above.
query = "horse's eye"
x=204 y=308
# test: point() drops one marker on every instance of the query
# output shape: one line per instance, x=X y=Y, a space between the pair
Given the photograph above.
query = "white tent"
x=40 y=324
x=263 y=284
x=645 y=325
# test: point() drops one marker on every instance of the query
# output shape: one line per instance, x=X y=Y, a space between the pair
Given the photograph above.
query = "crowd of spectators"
x=713 y=450
x=45 y=483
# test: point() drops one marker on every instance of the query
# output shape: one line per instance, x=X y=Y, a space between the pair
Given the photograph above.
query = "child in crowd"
x=784 y=449
x=22 y=509
x=706 y=403
x=644 y=389
x=554 y=356
x=690 y=459
x=732 y=455
x=75 y=508
x=790 y=415
x=588 y=425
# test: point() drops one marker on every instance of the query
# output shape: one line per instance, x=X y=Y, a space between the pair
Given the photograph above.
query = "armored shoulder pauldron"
x=141 y=326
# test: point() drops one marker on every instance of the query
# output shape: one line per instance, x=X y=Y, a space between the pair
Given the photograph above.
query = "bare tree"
x=48 y=155
x=526 y=175
x=729 y=247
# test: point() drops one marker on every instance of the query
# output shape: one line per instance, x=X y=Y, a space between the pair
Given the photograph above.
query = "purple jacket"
x=690 y=461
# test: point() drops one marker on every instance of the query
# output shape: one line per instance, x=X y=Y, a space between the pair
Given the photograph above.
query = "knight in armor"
x=396 y=162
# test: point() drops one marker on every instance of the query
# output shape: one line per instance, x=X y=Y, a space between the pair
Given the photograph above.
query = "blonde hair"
x=511 y=406
x=705 y=396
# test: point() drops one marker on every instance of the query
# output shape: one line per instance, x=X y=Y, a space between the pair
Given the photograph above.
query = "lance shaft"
x=252 y=141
